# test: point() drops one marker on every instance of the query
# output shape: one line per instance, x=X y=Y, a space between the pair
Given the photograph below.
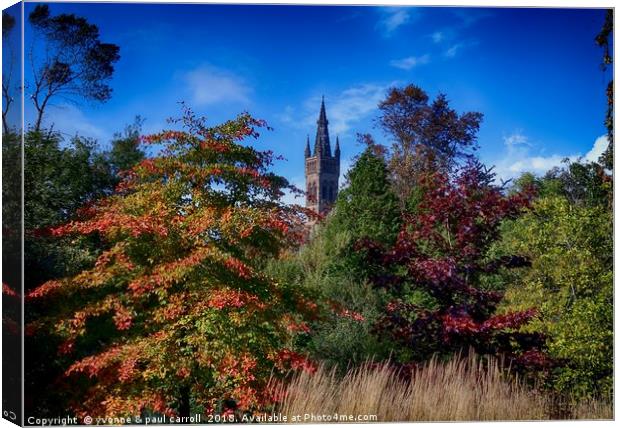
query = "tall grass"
x=463 y=389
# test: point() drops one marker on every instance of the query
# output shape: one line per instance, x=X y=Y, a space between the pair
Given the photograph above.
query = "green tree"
x=367 y=206
x=126 y=151
x=570 y=248
x=331 y=267
x=73 y=61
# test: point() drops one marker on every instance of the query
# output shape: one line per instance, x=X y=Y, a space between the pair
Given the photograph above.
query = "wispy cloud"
x=392 y=19
x=349 y=106
x=452 y=50
x=457 y=48
x=518 y=157
x=207 y=85
x=410 y=62
x=438 y=36
x=71 y=121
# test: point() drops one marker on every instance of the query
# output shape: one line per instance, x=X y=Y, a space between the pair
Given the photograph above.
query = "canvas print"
x=306 y=214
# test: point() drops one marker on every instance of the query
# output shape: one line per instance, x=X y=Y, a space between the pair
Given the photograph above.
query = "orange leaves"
x=294 y=326
x=92 y=366
x=46 y=289
x=122 y=318
x=8 y=291
x=286 y=359
x=185 y=239
x=226 y=298
x=167 y=274
x=237 y=266
x=127 y=369
x=356 y=316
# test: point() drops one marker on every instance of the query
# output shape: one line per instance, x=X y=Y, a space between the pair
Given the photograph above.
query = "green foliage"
x=571 y=282
x=337 y=272
x=349 y=306
x=57 y=181
x=126 y=151
x=367 y=207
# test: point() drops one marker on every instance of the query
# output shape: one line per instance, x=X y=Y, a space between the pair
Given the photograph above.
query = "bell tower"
x=322 y=169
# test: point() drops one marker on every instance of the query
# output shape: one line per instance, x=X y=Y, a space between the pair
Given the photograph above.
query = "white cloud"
x=410 y=62
x=208 y=85
x=437 y=36
x=518 y=158
x=600 y=145
x=71 y=121
x=452 y=51
x=394 y=18
x=515 y=139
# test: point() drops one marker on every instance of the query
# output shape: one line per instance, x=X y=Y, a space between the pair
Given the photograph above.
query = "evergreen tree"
x=367 y=207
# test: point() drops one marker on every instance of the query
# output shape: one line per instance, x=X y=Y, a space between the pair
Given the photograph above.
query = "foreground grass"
x=466 y=389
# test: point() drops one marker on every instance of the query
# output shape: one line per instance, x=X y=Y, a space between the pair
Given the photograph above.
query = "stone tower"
x=322 y=169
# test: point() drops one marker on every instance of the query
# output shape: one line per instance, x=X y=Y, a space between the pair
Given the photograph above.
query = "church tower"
x=322 y=169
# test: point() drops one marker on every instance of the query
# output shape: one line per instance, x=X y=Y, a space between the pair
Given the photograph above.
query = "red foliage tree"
x=177 y=309
x=441 y=255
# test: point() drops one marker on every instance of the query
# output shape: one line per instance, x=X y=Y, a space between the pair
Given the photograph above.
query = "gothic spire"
x=337 y=149
x=321 y=143
x=307 y=151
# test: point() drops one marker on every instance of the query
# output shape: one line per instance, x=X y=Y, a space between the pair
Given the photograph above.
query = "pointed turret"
x=321 y=143
x=322 y=170
x=337 y=149
x=307 y=151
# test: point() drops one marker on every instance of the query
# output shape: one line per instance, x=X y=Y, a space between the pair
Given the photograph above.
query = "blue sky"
x=533 y=73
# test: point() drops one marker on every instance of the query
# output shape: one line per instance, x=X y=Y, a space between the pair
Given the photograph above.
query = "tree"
x=76 y=63
x=331 y=266
x=437 y=271
x=570 y=247
x=176 y=311
x=126 y=150
x=8 y=23
x=367 y=206
x=602 y=39
x=427 y=136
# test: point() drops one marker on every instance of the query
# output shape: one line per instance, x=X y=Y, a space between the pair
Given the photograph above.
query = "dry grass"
x=463 y=389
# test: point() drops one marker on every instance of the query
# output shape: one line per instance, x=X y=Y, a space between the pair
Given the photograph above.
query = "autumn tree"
x=427 y=135
x=436 y=271
x=176 y=311
x=73 y=63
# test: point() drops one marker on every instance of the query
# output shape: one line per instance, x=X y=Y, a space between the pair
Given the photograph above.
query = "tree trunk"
x=184 y=408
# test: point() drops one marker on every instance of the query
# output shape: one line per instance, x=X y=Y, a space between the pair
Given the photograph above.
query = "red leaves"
x=184 y=236
x=8 y=291
x=355 y=316
x=45 y=289
x=237 y=266
x=441 y=251
x=466 y=325
x=122 y=318
x=226 y=298
x=286 y=359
